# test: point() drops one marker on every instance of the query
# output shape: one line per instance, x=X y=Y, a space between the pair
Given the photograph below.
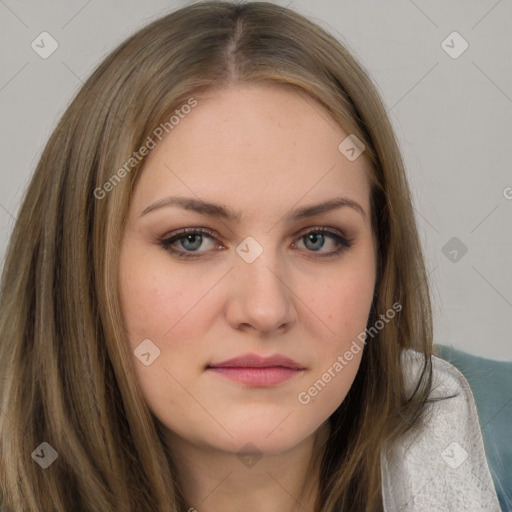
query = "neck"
x=212 y=480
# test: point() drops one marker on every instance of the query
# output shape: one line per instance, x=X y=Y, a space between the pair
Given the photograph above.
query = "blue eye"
x=318 y=238
x=190 y=241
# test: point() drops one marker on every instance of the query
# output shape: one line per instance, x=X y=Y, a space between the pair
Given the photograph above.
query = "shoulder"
x=446 y=378
x=441 y=465
x=451 y=416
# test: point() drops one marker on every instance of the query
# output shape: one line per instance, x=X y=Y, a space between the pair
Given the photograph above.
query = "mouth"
x=256 y=371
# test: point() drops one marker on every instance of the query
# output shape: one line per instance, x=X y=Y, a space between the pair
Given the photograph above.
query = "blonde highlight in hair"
x=67 y=374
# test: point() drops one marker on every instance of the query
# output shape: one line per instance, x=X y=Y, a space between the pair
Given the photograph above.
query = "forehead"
x=253 y=146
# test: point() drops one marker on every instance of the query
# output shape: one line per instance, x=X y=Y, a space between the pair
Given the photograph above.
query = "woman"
x=214 y=296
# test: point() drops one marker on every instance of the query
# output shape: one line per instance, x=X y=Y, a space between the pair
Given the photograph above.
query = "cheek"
x=343 y=305
x=165 y=314
x=344 y=301
x=158 y=300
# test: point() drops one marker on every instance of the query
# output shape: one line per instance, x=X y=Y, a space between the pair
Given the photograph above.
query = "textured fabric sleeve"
x=442 y=466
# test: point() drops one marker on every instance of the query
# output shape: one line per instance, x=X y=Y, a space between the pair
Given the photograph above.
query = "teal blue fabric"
x=491 y=384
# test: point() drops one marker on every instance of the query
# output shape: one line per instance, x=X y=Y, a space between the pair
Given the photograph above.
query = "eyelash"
x=342 y=241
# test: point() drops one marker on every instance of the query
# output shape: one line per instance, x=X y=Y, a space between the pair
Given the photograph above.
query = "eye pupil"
x=188 y=238
x=315 y=237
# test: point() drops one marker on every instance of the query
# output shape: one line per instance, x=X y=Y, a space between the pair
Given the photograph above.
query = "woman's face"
x=252 y=285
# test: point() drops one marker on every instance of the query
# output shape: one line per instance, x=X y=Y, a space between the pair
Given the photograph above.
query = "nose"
x=261 y=295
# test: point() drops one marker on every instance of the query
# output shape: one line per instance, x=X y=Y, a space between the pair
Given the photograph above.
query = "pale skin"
x=262 y=151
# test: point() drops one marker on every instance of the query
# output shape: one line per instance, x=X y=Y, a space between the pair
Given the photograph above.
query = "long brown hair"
x=67 y=374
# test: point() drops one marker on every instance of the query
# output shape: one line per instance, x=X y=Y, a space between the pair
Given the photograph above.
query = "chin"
x=263 y=438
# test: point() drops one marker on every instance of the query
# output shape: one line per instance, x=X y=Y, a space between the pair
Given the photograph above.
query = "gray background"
x=452 y=117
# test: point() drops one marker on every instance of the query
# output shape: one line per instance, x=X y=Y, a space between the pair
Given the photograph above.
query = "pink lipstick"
x=256 y=371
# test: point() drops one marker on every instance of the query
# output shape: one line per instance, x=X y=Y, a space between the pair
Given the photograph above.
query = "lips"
x=255 y=361
x=256 y=371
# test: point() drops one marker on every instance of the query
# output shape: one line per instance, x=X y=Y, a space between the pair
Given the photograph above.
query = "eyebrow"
x=216 y=210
